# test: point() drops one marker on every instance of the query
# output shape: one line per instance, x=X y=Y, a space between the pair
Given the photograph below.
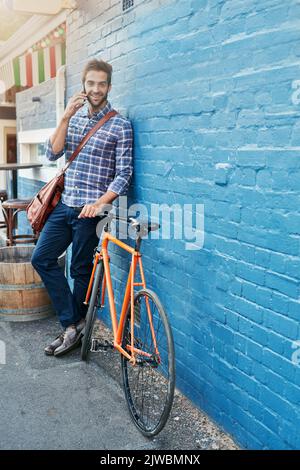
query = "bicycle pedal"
x=97 y=346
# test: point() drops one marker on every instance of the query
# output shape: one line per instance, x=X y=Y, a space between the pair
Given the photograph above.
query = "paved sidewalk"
x=63 y=403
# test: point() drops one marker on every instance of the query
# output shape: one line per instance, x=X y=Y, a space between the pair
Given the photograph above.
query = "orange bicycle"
x=142 y=335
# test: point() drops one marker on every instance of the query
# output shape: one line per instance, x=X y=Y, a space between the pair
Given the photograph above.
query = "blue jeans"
x=61 y=229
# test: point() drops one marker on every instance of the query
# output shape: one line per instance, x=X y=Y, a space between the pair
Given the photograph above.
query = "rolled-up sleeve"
x=124 y=164
x=50 y=155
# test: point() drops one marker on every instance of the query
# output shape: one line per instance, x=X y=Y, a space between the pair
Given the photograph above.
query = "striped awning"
x=38 y=64
x=36 y=67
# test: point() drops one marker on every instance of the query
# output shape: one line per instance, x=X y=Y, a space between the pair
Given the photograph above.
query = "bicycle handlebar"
x=138 y=225
x=128 y=220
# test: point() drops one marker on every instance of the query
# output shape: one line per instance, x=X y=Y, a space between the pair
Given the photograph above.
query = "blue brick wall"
x=210 y=88
x=208 y=83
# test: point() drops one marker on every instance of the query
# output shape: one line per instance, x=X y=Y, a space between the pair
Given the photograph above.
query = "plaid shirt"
x=104 y=163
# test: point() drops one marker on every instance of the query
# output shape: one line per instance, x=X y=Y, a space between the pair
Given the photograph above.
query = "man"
x=101 y=171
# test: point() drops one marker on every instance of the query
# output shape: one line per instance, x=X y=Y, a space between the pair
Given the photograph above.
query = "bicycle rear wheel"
x=149 y=385
x=92 y=311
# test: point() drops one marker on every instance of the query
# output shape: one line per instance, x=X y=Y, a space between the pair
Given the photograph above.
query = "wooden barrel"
x=23 y=296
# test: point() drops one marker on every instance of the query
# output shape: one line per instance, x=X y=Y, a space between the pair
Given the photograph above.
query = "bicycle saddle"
x=144 y=226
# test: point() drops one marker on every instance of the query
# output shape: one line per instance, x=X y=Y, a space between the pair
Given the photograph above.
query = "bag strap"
x=87 y=137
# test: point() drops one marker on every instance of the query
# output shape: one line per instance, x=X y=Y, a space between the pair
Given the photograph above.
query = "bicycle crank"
x=152 y=361
x=98 y=346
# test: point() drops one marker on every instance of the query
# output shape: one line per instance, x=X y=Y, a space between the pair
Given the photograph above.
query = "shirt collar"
x=85 y=111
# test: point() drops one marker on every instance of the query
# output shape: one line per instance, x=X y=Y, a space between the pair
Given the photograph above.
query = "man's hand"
x=74 y=103
x=90 y=210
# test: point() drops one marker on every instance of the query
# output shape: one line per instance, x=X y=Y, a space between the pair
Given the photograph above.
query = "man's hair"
x=99 y=66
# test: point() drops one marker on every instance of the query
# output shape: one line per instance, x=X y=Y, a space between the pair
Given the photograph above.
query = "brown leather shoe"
x=71 y=339
x=80 y=327
x=49 y=350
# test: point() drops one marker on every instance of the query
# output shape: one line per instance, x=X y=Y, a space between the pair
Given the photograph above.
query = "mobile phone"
x=85 y=98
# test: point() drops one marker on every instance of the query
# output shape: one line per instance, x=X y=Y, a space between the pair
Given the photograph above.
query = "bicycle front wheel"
x=149 y=384
x=92 y=311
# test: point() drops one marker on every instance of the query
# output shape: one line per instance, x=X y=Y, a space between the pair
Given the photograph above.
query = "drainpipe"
x=60 y=86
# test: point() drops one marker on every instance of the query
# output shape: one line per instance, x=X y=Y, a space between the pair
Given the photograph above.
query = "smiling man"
x=98 y=175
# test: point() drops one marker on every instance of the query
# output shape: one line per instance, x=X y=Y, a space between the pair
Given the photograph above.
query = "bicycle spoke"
x=92 y=312
x=149 y=385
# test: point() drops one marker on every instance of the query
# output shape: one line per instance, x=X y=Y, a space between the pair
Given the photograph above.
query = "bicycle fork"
x=143 y=356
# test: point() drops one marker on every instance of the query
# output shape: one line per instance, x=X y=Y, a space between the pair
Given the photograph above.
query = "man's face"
x=96 y=88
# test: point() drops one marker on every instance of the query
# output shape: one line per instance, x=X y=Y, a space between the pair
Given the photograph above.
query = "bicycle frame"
x=136 y=260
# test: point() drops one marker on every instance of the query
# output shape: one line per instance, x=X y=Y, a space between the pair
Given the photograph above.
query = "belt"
x=77 y=208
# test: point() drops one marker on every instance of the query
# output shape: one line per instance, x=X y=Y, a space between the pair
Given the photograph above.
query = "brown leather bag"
x=48 y=197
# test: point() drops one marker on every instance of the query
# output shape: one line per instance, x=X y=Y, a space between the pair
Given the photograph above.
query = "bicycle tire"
x=149 y=385
x=92 y=311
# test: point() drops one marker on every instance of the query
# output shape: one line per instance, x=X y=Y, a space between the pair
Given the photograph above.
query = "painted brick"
x=281 y=324
x=283 y=284
x=251 y=273
x=279 y=365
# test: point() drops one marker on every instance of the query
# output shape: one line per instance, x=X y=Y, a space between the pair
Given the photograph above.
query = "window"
x=37 y=154
x=32 y=149
x=32 y=146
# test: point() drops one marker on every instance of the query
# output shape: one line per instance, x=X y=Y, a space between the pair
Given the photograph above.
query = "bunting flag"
x=41 y=66
x=33 y=68
x=23 y=78
x=46 y=63
x=52 y=62
x=28 y=65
